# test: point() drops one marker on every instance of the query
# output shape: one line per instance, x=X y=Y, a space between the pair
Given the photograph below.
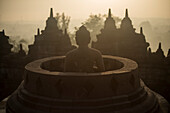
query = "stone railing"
x=47 y=89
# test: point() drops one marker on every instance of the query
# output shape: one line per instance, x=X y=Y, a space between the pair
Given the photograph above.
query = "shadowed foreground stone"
x=46 y=89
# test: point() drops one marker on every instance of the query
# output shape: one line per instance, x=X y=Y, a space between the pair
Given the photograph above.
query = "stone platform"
x=47 y=89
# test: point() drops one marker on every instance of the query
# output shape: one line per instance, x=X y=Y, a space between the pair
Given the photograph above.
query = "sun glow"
x=28 y=10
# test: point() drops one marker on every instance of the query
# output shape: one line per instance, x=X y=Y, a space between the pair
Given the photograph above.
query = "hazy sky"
x=80 y=9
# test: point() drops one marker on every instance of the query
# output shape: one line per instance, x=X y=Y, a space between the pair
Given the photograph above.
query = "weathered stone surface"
x=114 y=90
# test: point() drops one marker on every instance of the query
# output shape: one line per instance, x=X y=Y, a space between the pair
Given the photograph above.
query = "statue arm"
x=100 y=63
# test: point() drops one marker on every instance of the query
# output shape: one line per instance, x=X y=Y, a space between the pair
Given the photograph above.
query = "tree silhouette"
x=63 y=21
x=16 y=41
x=95 y=23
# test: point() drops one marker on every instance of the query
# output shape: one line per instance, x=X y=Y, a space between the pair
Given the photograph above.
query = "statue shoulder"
x=95 y=51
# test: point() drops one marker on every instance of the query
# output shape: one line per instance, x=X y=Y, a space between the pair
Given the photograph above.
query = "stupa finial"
x=51 y=12
x=38 y=31
x=141 y=30
x=109 y=14
x=126 y=14
x=159 y=46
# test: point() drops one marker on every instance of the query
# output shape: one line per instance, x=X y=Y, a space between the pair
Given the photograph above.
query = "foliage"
x=16 y=41
x=63 y=21
x=95 y=23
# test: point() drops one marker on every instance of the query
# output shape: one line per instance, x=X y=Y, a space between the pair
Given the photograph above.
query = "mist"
x=21 y=18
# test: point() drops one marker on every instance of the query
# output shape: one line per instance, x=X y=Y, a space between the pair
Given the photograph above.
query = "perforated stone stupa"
x=51 y=41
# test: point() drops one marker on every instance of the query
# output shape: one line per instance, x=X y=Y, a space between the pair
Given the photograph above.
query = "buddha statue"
x=83 y=59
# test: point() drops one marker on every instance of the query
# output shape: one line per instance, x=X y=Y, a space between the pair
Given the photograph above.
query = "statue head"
x=82 y=36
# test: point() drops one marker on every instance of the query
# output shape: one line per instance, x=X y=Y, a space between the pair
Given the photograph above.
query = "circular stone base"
x=118 y=90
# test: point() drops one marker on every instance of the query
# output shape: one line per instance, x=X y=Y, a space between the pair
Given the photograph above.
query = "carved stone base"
x=117 y=90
